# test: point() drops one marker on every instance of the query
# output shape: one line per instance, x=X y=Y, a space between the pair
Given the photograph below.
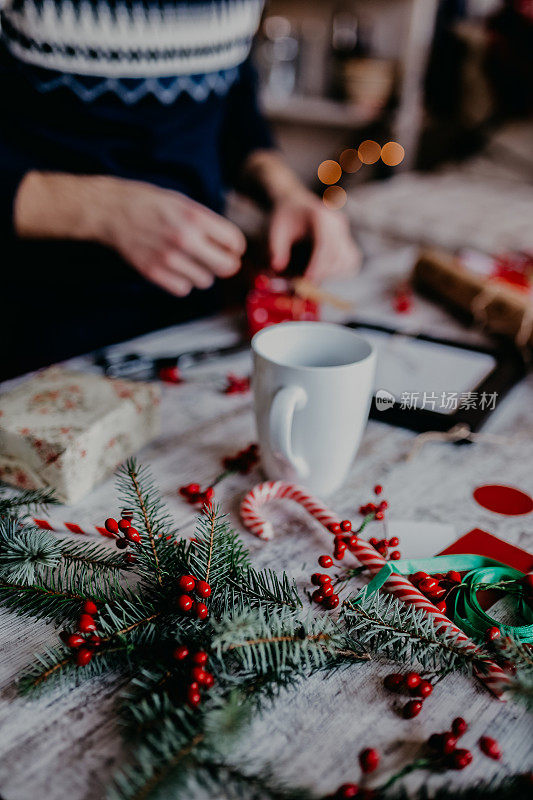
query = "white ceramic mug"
x=313 y=385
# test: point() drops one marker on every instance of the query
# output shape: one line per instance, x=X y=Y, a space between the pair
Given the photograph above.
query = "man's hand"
x=167 y=237
x=304 y=216
x=297 y=214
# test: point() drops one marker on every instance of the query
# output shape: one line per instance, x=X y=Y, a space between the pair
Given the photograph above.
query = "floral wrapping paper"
x=69 y=430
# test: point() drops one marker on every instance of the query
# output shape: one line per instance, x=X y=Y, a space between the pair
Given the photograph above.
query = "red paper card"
x=480 y=543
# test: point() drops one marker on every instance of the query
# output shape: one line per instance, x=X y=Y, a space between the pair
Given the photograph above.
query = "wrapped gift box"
x=69 y=430
x=497 y=292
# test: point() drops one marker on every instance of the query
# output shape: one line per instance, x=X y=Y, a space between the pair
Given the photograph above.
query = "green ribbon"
x=480 y=572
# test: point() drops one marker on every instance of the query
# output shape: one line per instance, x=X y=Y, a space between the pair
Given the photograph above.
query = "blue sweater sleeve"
x=245 y=128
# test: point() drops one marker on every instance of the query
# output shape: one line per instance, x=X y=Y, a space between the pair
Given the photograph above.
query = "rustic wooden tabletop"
x=66 y=744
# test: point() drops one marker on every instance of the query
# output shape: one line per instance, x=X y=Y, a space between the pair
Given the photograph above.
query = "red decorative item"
x=369 y=759
x=490 y=747
x=170 y=375
x=273 y=300
x=236 y=384
x=503 y=499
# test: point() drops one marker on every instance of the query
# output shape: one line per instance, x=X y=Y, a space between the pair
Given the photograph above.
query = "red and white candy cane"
x=252 y=516
x=71 y=527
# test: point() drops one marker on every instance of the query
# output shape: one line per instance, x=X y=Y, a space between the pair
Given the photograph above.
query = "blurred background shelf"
x=319 y=111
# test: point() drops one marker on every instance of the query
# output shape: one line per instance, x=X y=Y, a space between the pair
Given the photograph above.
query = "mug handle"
x=286 y=401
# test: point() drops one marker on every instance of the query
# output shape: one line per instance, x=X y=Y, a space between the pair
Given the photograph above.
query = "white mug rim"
x=312 y=324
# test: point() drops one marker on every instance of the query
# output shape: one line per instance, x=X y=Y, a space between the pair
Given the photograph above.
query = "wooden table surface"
x=66 y=744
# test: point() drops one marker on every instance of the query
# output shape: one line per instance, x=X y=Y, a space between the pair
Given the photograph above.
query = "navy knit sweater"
x=161 y=91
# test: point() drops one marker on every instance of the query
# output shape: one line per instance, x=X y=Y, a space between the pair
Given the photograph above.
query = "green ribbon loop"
x=480 y=572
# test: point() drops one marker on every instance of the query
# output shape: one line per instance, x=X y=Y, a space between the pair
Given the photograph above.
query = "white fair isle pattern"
x=131 y=40
x=494 y=678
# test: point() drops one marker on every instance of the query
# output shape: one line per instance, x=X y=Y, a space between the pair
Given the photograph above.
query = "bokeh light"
x=369 y=151
x=349 y=160
x=329 y=171
x=334 y=197
x=392 y=154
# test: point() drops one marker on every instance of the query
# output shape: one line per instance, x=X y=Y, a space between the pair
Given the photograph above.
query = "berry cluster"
x=410 y=684
x=185 y=603
x=199 y=677
x=382 y=546
x=243 y=461
x=130 y=535
x=194 y=495
x=84 y=640
x=444 y=746
x=324 y=594
x=438 y=588
x=236 y=384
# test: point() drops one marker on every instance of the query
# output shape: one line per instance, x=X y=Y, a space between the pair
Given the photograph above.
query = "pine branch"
x=217 y=551
x=261 y=589
x=57 y=666
x=275 y=642
x=29 y=500
x=398 y=631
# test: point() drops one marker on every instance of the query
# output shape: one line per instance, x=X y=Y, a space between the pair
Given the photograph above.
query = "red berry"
x=184 y=602
x=320 y=578
x=418 y=576
x=441 y=606
x=193 y=697
x=133 y=535
x=86 y=623
x=460 y=759
x=201 y=610
x=327 y=589
x=347 y=791
x=124 y=524
x=378 y=488
x=198 y=674
x=492 y=634
x=423 y=689
x=490 y=747
x=412 y=680
x=208 y=680
x=395 y=555
x=379 y=514
x=111 y=525
x=332 y=601
x=200 y=657
x=448 y=743
x=394 y=682
x=373 y=541
x=203 y=589
x=89 y=607
x=318 y=596
x=351 y=542
x=437 y=593
x=187 y=583
x=95 y=640
x=459 y=726
x=209 y=493
x=169 y=375
x=383 y=505
x=412 y=709
x=193 y=488
x=129 y=558
x=83 y=656
x=382 y=548
x=75 y=640
x=64 y=635
x=427 y=585
x=325 y=561
x=453 y=576
x=334 y=527
x=180 y=652
x=369 y=759
x=346 y=525
x=121 y=544
x=394 y=542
